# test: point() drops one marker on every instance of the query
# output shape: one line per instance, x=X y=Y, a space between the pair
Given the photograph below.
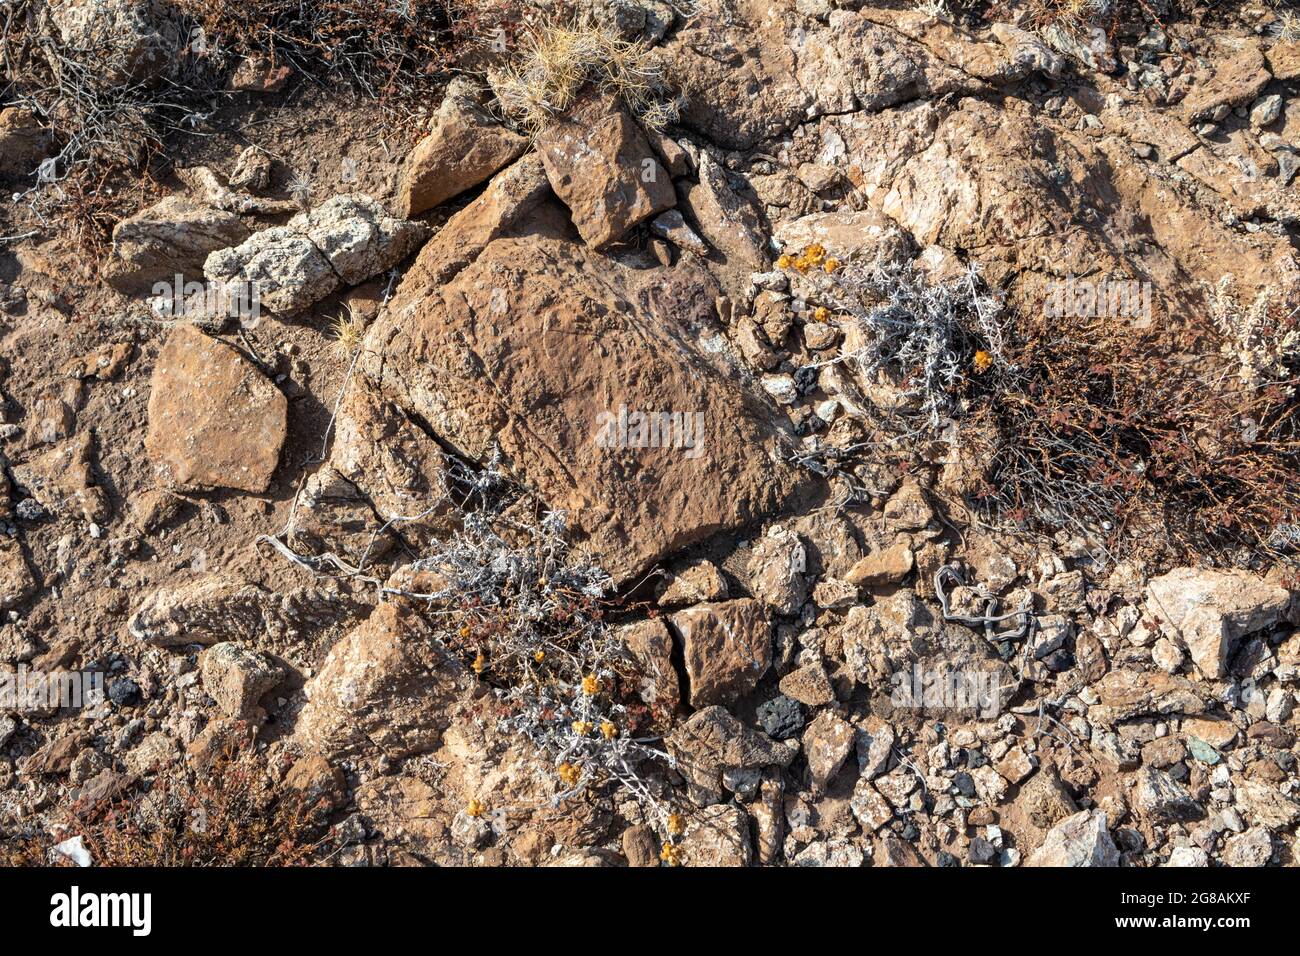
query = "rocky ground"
x=399 y=536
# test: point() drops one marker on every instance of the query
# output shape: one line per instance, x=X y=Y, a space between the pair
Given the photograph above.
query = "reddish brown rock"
x=599 y=163
x=556 y=360
x=237 y=677
x=464 y=147
x=727 y=647
x=16 y=581
x=386 y=686
x=651 y=647
x=214 y=419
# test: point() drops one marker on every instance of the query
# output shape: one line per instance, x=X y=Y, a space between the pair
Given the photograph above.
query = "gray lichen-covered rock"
x=342 y=242
x=132 y=41
x=173 y=237
x=1079 y=840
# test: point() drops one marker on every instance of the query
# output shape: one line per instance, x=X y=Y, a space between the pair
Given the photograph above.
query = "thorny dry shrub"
x=532 y=618
x=1132 y=435
x=556 y=60
x=1078 y=17
x=229 y=813
x=397 y=49
x=925 y=339
x=1185 y=433
x=99 y=112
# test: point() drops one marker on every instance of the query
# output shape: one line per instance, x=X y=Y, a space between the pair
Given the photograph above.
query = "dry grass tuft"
x=557 y=60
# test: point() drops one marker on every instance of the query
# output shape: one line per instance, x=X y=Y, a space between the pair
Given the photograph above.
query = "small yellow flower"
x=785 y=262
x=814 y=254
x=582 y=727
x=591 y=685
x=676 y=826
x=983 y=361
x=671 y=854
x=480 y=662
x=608 y=730
x=475 y=808
x=569 y=774
x=821 y=313
x=832 y=265
x=539 y=656
x=801 y=264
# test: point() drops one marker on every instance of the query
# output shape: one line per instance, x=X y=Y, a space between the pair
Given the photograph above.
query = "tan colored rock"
x=24 y=143
x=237 y=678
x=1045 y=801
x=387 y=686
x=727 y=647
x=1219 y=734
x=640 y=846
x=156 y=752
x=777 y=567
x=888 y=566
x=866 y=234
x=173 y=237
x=1284 y=60
x=809 y=685
x=699 y=581
x=1080 y=840
x=507 y=203
x=206 y=611
x=729 y=222
x=399 y=468
x=319 y=783
x=1127 y=693
x=530 y=383
x=214 y=419
x=600 y=165
x=651 y=647
x=713 y=740
x=16 y=581
x=102 y=364
x=1208 y=611
x=869 y=806
x=1230 y=81
x=63 y=481
x=827 y=743
x=464 y=147
x=1264 y=805
x=717 y=836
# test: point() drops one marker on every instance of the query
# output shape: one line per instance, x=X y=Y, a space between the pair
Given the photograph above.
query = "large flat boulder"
x=552 y=354
x=215 y=421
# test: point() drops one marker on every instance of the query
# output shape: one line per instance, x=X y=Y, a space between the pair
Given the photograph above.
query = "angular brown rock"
x=214 y=419
x=600 y=165
x=464 y=147
x=727 y=647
